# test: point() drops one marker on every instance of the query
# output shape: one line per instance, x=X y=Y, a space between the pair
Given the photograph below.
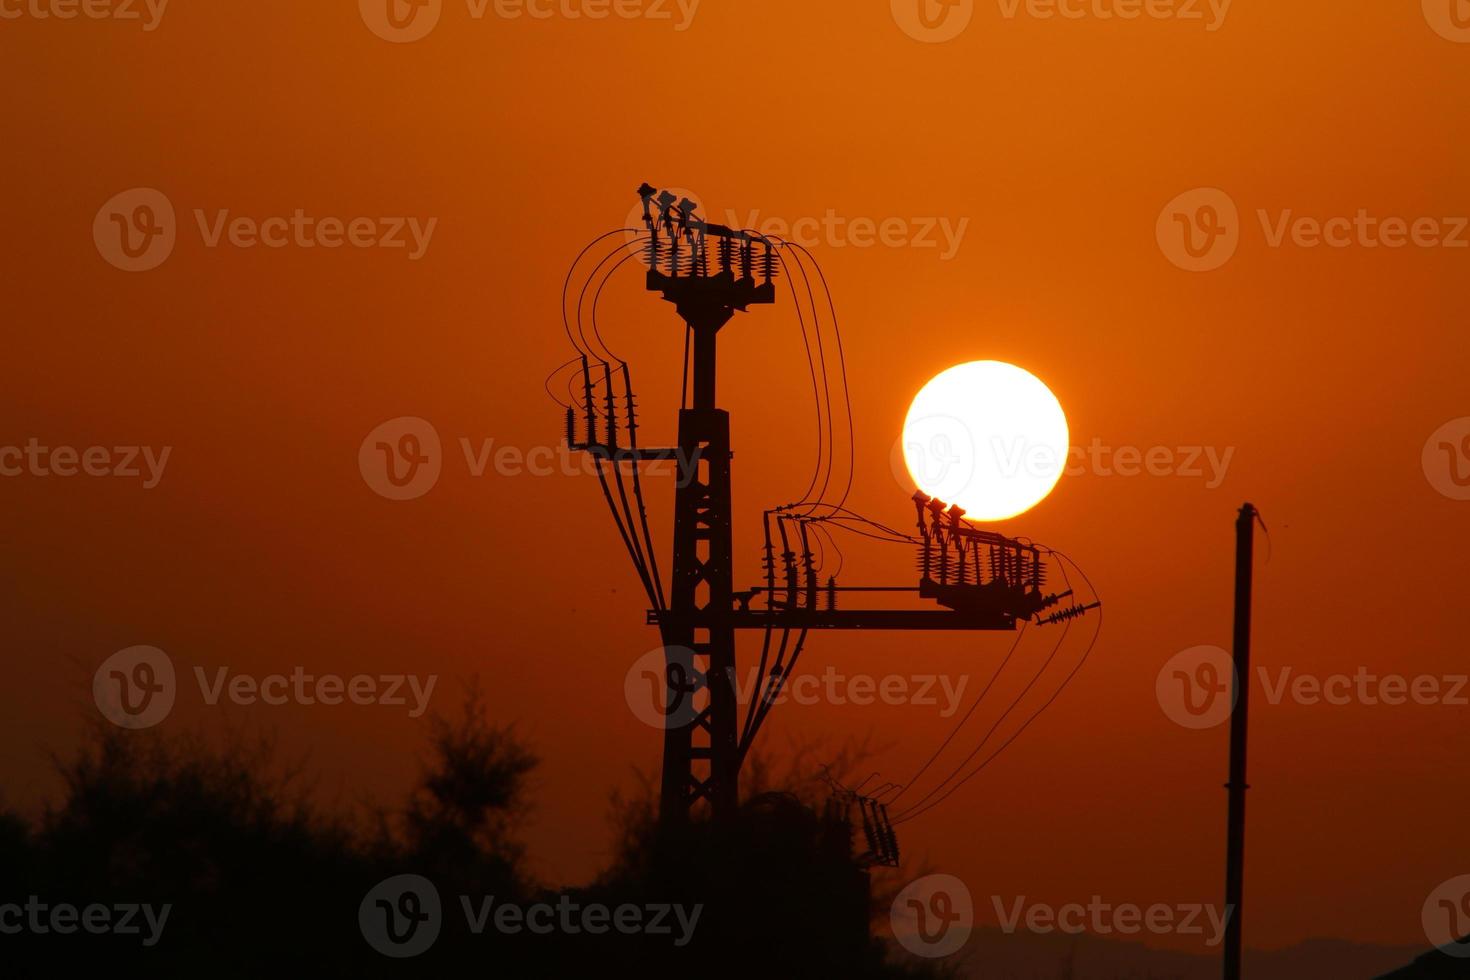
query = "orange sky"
x=1057 y=141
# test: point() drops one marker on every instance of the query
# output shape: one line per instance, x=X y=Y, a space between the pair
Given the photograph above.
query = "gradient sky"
x=1057 y=141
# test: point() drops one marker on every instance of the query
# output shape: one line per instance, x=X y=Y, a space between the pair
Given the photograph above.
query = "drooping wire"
x=842 y=366
x=567 y=285
x=552 y=376
x=913 y=812
x=1015 y=645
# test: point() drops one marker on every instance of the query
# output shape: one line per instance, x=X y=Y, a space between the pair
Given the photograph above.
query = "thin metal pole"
x=1245 y=526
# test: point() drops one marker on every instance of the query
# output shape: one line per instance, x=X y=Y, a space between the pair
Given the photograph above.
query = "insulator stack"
x=889 y=835
x=571 y=427
x=612 y=409
x=870 y=833
x=1072 y=612
x=830 y=598
x=768 y=264
x=727 y=252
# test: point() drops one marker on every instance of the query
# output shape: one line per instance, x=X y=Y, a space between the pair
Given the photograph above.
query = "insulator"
x=768 y=264
x=1071 y=612
x=571 y=427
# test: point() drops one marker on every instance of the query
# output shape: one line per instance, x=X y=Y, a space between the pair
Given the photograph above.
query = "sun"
x=987 y=436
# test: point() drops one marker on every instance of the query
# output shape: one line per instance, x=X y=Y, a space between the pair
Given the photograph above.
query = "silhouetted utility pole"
x=1245 y=527
x=986 y=581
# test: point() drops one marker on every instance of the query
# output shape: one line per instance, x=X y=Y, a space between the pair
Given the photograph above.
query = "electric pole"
x=984 y=580
x=1245 y=526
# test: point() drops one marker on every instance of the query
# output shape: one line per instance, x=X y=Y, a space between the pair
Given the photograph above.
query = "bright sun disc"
x=987 y=436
